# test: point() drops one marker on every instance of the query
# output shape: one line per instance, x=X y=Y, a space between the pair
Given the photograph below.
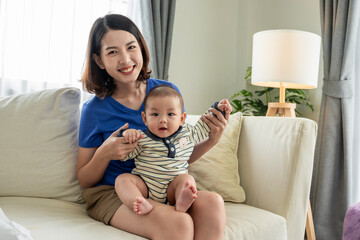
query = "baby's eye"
x=154 y=114
x=171 y=114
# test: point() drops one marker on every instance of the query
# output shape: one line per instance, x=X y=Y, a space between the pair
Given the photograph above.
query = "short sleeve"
x=136 y=152
x=89 y=134
x=199 y=132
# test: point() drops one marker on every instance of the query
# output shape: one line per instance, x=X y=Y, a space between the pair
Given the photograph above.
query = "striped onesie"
x=159 y=160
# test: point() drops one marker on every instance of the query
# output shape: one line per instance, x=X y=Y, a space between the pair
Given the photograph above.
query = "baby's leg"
x=182 y=192
x=132 y=191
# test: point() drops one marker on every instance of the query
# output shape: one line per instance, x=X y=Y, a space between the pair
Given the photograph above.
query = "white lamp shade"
x=288 y=58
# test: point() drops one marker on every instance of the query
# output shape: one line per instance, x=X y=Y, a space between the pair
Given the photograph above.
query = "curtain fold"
x=356 y=169
x=332 y=184
x=156 y=23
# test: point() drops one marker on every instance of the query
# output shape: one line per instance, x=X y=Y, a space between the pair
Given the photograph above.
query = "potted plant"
x=256 y=103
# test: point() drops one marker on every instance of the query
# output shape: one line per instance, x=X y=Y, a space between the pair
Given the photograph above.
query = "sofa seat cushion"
x=58 y=220
x=244 y=222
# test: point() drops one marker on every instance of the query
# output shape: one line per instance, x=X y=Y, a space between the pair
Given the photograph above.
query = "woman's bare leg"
x=132 y=191
x=208 y=214
x=163 y=222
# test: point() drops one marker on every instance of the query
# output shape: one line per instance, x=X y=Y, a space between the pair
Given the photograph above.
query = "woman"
x=117 y=72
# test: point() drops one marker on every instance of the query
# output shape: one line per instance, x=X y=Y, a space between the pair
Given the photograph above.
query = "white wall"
x=203 y=55
x=212 y=44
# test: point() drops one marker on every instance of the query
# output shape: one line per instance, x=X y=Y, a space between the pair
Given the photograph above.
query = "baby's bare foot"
x=142 y=206
x=186 y=198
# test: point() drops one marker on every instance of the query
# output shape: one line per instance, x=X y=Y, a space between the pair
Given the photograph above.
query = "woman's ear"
x=98 y=61
x=143 y=116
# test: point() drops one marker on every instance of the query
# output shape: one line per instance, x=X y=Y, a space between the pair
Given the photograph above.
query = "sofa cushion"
x=58 y=220
x=217 y=170
x=38 y=144
x=249 y=223
x=44 y=217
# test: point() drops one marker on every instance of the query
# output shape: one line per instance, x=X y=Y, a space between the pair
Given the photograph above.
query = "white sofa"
x=39 y=189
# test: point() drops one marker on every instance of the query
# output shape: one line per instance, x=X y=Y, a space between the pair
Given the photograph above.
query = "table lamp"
x=285 y=59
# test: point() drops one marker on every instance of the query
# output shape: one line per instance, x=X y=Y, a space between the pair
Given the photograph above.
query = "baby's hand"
x=132 y=135
x=224 y=105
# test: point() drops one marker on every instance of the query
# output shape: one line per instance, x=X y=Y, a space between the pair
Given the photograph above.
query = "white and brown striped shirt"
x=159 y=160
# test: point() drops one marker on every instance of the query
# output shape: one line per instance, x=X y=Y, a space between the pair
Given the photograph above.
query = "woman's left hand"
x=217 y=123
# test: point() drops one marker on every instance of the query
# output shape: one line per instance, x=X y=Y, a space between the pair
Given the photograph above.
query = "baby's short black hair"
x=164 y=91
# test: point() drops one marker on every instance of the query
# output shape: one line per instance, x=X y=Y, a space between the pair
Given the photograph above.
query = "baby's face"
x=163 y=115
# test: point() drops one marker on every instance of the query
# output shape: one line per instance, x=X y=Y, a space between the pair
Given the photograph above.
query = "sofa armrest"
x=275 y=165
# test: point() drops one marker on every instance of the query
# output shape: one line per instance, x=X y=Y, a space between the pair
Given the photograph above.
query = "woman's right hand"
x=117 y=148
x=92 y=162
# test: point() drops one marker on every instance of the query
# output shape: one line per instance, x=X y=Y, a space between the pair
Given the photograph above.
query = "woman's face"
x=120 y=56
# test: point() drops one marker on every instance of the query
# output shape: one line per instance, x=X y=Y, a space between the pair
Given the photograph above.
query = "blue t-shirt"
x=101 y=117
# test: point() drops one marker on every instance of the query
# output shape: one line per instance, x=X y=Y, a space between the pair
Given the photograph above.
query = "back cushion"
x=217 y=170
x=38 y=144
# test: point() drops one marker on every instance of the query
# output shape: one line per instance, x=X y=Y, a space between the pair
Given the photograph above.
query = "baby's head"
x=163 y=111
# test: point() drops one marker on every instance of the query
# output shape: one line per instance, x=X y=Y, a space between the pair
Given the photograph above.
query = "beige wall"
x=212 y=44
x=203 y=55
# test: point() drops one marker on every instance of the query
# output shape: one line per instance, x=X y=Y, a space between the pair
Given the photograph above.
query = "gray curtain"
x=331 y=193
x=155 y=18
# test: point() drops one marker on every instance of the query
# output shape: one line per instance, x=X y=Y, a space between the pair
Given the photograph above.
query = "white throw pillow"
x=217 y=170
x=38 y=144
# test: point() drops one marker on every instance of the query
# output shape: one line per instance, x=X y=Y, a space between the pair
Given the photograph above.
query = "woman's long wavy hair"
x=96 y=80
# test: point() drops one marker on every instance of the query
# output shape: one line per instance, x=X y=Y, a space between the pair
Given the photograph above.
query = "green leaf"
x=248 y=74
x=246 y=93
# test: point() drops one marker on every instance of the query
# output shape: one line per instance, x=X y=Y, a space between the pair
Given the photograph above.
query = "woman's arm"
x=217 y=123
x=92 y=162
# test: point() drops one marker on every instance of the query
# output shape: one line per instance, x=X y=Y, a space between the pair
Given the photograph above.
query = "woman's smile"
x=127 y=70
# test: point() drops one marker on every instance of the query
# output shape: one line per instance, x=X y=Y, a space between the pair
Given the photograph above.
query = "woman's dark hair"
x=97 y=80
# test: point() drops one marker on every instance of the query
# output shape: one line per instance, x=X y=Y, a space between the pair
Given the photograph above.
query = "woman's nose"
x=124 y=58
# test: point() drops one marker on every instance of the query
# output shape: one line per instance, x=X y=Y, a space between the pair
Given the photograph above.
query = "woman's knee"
x=216 y=202
x=212 y=199
x=179 y=225
x=208 y=212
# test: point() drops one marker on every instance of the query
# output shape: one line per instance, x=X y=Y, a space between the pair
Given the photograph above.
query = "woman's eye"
x=111 y=52
x=132 y=47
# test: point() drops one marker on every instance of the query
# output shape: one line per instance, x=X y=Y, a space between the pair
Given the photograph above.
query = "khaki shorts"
x=101 y=202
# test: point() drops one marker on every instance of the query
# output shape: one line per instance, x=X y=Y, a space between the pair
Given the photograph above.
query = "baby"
x=162 y=153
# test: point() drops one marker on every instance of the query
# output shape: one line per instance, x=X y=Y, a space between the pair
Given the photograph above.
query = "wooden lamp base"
x=281 y=109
